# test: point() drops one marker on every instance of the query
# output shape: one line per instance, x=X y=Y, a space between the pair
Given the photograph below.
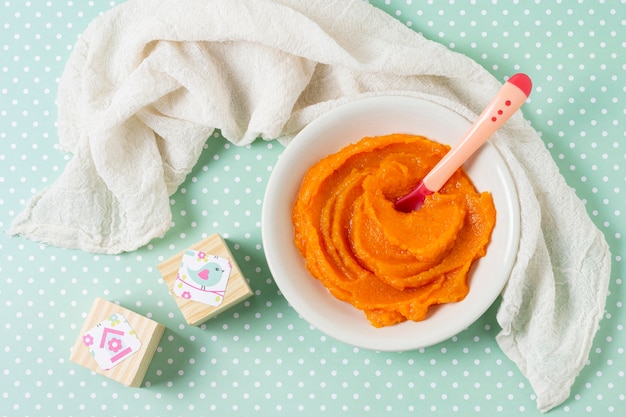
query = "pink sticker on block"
x=111 y=341
x=202 y=277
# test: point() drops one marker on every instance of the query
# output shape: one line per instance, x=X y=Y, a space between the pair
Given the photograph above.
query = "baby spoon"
x=510 y=98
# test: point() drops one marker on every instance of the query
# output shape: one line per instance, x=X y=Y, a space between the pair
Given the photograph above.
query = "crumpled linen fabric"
x=150 y=80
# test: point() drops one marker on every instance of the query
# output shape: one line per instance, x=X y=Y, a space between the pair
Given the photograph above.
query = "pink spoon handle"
x=506 y=102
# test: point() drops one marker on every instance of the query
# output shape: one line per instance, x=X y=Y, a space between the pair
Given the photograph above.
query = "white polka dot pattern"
x=260 y=358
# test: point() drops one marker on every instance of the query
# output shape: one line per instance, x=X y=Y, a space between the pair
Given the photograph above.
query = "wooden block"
x=195 y=312
x=131 y=368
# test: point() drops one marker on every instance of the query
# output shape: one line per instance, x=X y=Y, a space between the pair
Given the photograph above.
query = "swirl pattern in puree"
x=391 y=265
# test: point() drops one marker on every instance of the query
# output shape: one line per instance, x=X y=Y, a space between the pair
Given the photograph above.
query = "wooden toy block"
x=117 y=343
x=204 y=280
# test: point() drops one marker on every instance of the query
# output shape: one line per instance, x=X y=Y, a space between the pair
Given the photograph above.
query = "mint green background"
x=260 y=358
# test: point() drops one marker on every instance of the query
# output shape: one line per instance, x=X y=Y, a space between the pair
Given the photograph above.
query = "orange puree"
x=391 y=265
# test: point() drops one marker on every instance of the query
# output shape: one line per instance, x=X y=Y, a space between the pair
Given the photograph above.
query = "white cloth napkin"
x=149 y=81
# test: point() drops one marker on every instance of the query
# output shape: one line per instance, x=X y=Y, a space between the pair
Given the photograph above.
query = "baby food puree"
x=391 y=265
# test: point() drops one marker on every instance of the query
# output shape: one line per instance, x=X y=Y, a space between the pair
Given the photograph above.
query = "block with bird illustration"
x=205 y=280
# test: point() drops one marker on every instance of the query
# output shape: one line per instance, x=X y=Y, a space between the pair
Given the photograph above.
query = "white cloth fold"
x=150 y=80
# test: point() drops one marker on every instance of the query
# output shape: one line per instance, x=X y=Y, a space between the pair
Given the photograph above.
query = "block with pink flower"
x=111 y=341
x=117 y=343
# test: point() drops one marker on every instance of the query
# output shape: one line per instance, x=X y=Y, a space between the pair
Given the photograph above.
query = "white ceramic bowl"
x=331 y=132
